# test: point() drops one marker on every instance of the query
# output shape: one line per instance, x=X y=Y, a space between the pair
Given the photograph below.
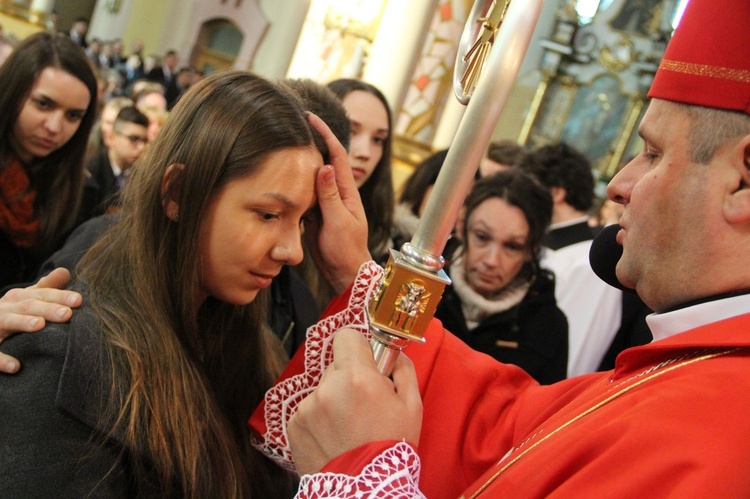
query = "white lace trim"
x=392 y=474
x=281 y=400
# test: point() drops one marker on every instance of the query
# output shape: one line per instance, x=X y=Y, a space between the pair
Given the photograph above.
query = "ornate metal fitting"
x=406 y=299
x=475 y=45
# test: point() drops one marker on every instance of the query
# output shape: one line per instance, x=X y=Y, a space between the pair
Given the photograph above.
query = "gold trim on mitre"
x=741 y=75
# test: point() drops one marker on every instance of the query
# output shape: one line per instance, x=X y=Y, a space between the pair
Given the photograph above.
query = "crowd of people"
x=147 y=96
x=206 y=241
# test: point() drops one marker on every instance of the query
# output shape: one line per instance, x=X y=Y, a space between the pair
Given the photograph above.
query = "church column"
x=395 y=48
x=275 y=50
x=429 y=94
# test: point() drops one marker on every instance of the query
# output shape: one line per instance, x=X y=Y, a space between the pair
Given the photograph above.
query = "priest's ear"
x=737 y=202
x=170 y=190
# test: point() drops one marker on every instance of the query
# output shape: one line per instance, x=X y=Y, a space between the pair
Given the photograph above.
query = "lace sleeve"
x=282 y=399
x=392 y=474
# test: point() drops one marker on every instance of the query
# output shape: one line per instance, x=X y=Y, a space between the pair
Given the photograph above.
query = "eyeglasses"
x=134 y=139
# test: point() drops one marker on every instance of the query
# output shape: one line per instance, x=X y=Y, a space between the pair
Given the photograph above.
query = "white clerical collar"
x=670 y=323
x=568 y=223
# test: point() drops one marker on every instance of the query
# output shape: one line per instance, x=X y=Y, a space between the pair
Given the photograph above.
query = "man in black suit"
x=78 y=32
x=110 y=168
x=166 y=74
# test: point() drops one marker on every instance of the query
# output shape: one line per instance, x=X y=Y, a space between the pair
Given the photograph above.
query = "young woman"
x=147 y=391
x=370 y=160
x=48 y=102
x=370 y=157
x=500 y=301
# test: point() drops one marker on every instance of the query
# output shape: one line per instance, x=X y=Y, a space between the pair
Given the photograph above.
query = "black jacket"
x=565 y=236
x=16 y=264
x=100 y=169
x=171 y=90
x=532 y=335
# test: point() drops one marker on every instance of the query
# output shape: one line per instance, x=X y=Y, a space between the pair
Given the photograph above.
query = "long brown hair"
x=184 y=383
x=57 y=178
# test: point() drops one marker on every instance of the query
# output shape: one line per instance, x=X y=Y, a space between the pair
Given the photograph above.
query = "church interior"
x=583 y=80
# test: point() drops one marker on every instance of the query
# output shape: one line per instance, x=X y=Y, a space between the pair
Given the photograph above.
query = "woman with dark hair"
x=418 y=186
x=370 y=160
x=370 y=157
x=148 y=389
x=48 y=98
x=500 y=301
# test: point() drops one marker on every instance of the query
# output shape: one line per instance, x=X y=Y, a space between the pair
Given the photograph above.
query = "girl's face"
x=50 y=115
x=370 y=130
x=253 y=225
x=496 y=246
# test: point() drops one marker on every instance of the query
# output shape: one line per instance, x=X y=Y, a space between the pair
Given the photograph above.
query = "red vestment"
x=669 y=421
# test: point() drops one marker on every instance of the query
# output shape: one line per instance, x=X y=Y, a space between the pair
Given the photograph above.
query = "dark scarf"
x=17 y=215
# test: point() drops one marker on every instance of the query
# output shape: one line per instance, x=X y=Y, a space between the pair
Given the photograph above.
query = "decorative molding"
x=593 y=88
x=617 y=57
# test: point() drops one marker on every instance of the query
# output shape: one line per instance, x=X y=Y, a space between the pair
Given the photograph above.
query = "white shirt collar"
x=670 y=323
x=568 y=223
x=115 y=167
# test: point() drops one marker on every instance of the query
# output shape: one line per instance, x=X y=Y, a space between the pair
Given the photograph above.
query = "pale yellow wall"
x=401 y=172
x=146 y=22
x=20 y=29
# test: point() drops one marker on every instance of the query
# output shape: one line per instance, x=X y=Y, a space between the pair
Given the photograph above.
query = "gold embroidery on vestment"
x=650 y=373
x=741 y=75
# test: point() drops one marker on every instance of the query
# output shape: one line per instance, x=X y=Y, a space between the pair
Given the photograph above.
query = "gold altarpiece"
x=594 y=79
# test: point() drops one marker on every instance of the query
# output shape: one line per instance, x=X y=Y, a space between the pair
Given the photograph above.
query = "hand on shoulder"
x=27 y=310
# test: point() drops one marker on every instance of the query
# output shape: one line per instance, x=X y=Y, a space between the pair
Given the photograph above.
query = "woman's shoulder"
x=67 y=357
x=84 y=377
x=542 y=289
x=540 y=306
x=48 y=422
x=60 y=357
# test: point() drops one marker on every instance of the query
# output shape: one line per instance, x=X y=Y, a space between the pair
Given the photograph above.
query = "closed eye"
x=267 y=216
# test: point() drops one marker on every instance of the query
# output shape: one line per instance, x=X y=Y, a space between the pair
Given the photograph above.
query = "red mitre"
x=707 y=62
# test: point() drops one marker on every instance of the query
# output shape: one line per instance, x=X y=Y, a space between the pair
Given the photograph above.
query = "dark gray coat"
x=48 y=414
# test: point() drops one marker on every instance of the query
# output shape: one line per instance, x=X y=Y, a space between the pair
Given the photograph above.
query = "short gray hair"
x=711 y=128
